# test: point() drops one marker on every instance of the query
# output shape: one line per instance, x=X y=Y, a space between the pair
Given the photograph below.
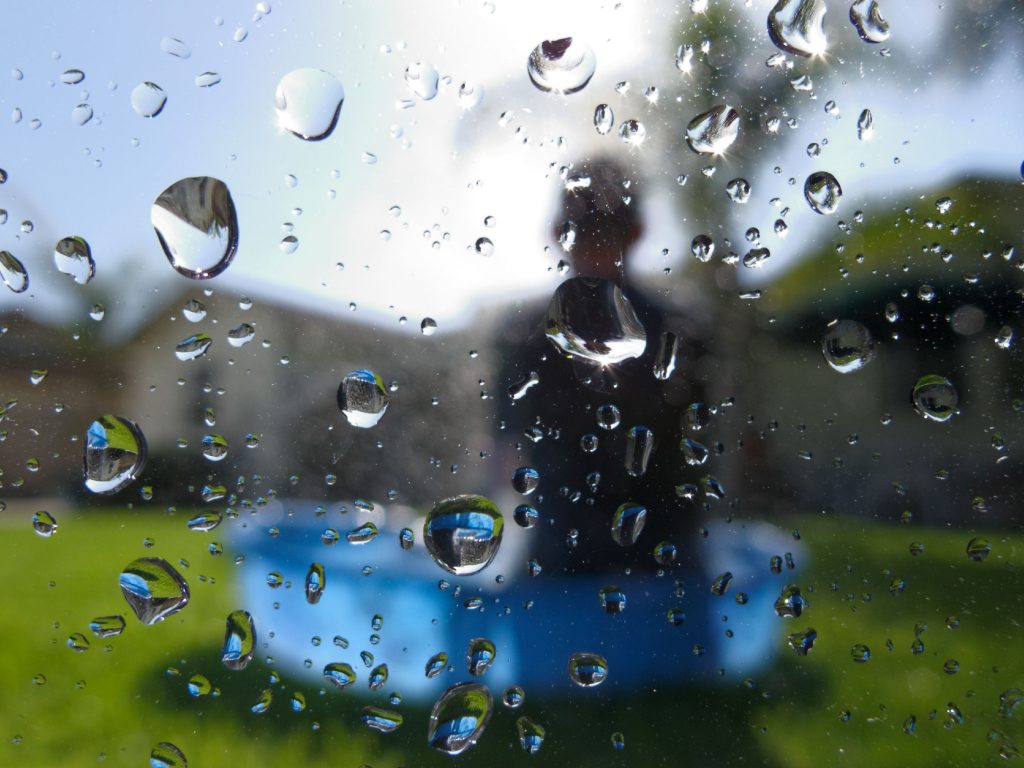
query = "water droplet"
x=714 y=131
x=422 y=79
x=822 y=192
x=847 y=346
x=107 y=626
x=639 y=447
x=239 y=641
x=591 y=318
x=406 y=538
x=81 y=114
x=978 y=549
x=738 y=190
x=363 y=398
x=382 y=720
x=618 y=741
x=340 y=674
x=241 y=335
x=308 y=102
x=484 y=246
x=73 y=257
x=797 y=26
x=13 y=272
x=632 y=132
x=604 y=119
x=175 y=47
x=378 y=676
x=480 y=655
x=72 y=76
x=628 y=523
x=613 y=599
x=459 y=717
x=525 y=516
x=197 y=226
x=703 y=248
x=790 y=604
x=470 y=95
x=867 y=18
x=316 y=581
x=192 y=347
x=721 y=584
x=166 y=755
x=934 y=397
x=525 y=480
x=205 y=522
x=207 y=79
x=608 y=416
x=436 y=664
x=865 y=125
x=44 y=524
x=802 y=642
x=364 y=534
x=148 y=99
x=587 y=670
x=513 y=697
x=860 y=653
x=266 y=698
x=115 y=454
x=462 y=534
x=531 y=735
x=561 y=66
x=153 y=589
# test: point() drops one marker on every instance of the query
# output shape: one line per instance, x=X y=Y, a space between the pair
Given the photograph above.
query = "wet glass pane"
x=569 y=383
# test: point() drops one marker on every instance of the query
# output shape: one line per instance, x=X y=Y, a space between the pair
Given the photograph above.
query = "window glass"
x=606 y=383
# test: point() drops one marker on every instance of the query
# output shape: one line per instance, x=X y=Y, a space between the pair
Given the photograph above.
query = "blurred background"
x=423 y=238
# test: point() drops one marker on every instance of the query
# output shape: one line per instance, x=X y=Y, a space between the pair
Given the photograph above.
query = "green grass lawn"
x=117 y=699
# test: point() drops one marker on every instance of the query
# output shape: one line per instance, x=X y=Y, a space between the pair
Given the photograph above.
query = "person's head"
x=600 y=217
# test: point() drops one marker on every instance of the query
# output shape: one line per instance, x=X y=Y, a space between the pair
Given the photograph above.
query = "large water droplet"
x=153 y=589
x=462 y=534
x=239 y=640
x=639 y=447
x=796 y=26
x=867 y=18
x=340 y=674
x=363 y=398
x=148 y=99
x=13 y=273
x=714 y=131
x=167 y=755
x=561 y=66
x=588 y=670
x=316 y=580
x=531 y=735
x=934 y=397
x=847 y=346
x=115 y=454
x=422 y=79
x=197 y=226
x=308 y=102
x=590 y=317
x=822 y=192
x=73 y=257
x=459 y=717
x=628 y=523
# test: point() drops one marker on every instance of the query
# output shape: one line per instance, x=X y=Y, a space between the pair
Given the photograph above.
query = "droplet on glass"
x=197 y=226
x=480 y=655
x=462 y=534
x=866 y=16
x=525 y=480
x=363 y=398
x=207 y=79
x=115 y=454
x=738 y=190
x=459 y=717
x=591 y=318
x=436 y=664
x=73 y=257
x=175 y=47
x=381 y=720
x=422 y=79
x=44 y=524
x=340 y=674
x=531 y=735
x=822 y=192
x=148 y=99
x=847 y=346
x=934 y=397
x=239 y=640
x=978 y=549
x=561 y=66
x=153 y=589
x=308 y=102
x=13 y=273
x=316 y=581
x=639 y=447
x=865 y=125
x=587 y=670
x=628 y=523
x=604 y=119
x=797 y=26
x=192 y=347
x=167 y=755
x=714 y=131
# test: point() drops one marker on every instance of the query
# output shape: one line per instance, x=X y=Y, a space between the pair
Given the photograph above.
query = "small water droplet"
x=13 y=273
x=604 y=119
x=340 y=674
x=316 y=581
x=363 y=398
x=239 y=640
x=153 y=589
x=44 y=524
x=167 y=755
x=714 y=131
x=822 y=192
x=148 y=99
x=462 y=534
x=847 y=346
x=934 y=397
x=587 y=670
x=531 y=735
x=422 y=79
x=192 y=347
